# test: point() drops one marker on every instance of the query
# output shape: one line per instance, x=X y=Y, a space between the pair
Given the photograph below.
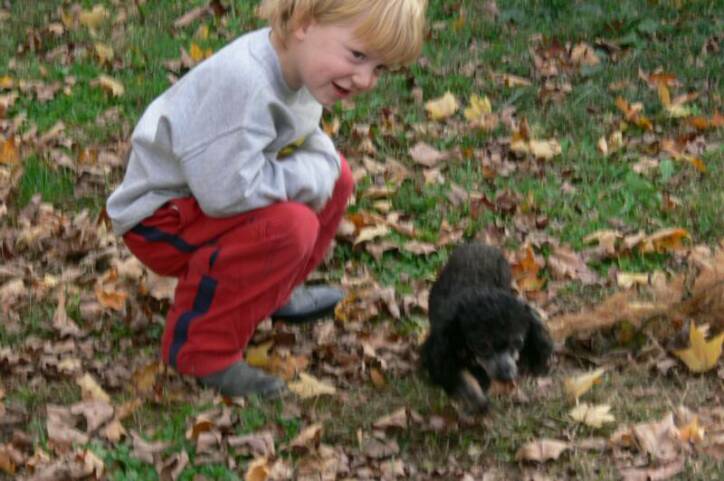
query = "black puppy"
x=479 y=329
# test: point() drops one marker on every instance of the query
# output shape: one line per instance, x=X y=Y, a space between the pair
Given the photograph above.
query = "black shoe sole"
x=306 y=317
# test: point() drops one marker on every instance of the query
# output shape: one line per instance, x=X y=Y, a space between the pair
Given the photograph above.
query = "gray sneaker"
x=308 y=303
x=240 y=379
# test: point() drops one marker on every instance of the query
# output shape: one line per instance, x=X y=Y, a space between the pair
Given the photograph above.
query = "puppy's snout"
x=507 y=368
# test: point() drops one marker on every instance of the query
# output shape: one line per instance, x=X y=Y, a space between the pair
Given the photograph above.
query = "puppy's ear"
x=537 y=347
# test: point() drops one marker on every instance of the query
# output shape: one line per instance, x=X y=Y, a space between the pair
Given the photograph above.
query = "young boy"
x=209 y=198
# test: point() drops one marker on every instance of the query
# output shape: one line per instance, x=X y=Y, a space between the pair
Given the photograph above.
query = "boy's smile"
x=329 y=60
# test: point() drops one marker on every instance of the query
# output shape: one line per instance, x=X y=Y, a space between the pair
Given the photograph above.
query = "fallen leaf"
x=307 y=440
x=628 y=280
x=9 y=154
x=426 y=154
x=90 y=389
x=442 y=107
x=258 y=356
x=701 y=355
x=692 y=432
x=369 y=233
x=541 y=450
x=592 y=415
x=658 y=473
x=575 y=387
x=258 y=470
x=111 y=85
x=396 y=420
x=665 y=240
x=480 y=113
x=308 y=386
x=544 y=149
x=92 y=19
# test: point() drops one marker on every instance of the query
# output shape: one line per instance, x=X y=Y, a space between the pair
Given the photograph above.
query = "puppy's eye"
x=517 y=344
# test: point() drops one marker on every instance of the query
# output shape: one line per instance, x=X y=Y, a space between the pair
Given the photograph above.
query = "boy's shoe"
x=240 y=379
x=308 y=303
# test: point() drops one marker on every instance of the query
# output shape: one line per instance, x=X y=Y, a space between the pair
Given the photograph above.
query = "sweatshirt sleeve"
x=237 y=172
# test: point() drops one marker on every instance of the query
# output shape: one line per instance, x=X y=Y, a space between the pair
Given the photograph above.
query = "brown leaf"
x=659 y=473
x=541 y=450
x=95 y=412
x=564 y=263
x=427 y=155
x=90 y=389
x=307 y=440
x=146 y=451
x=259 y=444
x=60 y=424
x=396 y=420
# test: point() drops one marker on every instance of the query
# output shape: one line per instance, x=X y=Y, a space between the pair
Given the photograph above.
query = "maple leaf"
x=575 y=387
x=701 y=355
x=442 y=107
x=308 y=386
x=594 y=416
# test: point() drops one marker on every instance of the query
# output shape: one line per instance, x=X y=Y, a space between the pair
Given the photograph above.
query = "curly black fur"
x=479 y=329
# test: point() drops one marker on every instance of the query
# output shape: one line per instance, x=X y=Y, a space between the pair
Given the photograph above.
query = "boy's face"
x=331 y=62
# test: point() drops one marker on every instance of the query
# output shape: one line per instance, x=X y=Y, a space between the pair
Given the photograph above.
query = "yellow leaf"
x=9 y=152
x=692 y=432
x=6 y=82
x=590 y=415
x=111 y=85
x=90 y=389
x=198 y=54
x=479 y=113
x=575 y=387
x=92 y=19
x=630 y=279
x=258 y=356
x=258 y=470
x=442 y=107
x=701 y=355
x=309 y=386
x=104 y=52
x=545 y=149
x=664 y=95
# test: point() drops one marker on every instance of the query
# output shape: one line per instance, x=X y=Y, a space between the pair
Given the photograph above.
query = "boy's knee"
x=298 y=226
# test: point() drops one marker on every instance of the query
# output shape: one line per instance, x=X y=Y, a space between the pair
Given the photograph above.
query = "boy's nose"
x=365 y=78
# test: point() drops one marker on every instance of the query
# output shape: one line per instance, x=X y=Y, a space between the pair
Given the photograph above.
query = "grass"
x=466 y=46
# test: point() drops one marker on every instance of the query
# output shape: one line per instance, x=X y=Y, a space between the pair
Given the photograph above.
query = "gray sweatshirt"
x=216 y=135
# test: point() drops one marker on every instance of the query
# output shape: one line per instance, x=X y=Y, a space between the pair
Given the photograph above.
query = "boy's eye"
x=358 y=55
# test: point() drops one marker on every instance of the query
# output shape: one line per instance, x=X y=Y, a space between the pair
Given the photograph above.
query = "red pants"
x=233 y=272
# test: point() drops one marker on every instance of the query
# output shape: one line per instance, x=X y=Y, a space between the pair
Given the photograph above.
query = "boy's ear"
x=301 y=29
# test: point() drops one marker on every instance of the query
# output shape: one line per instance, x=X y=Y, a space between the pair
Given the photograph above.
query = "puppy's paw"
x=471 y=394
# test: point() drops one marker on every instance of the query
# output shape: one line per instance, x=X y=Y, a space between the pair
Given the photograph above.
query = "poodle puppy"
x=479 y=329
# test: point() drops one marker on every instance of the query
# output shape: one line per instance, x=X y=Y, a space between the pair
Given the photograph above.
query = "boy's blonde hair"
x=392 y=29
